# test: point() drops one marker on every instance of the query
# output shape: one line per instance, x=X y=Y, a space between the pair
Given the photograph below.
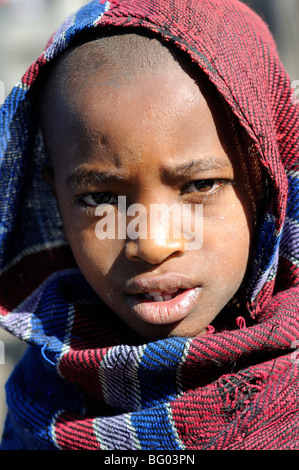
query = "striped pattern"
x=83 y=383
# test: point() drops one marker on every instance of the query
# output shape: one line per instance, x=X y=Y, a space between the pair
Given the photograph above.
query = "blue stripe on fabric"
x=154 y=429
x=90 y=12
x=157 y=373
x=267 y=243
x=115 y=433
x=293 y=199
x=85 y=18
x=13 y=171
x=33 y=403
x=8 y=109
x=49 y=327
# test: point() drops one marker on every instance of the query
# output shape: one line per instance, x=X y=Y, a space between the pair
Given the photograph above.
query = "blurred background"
x=25 y=27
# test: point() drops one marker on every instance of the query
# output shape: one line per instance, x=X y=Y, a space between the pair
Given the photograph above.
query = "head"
x=124 y=116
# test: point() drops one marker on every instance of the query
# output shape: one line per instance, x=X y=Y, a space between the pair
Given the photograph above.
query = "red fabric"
x=232 y=389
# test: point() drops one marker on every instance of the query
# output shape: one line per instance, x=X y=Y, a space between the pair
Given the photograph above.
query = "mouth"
x=164 y=307
x=161 y=296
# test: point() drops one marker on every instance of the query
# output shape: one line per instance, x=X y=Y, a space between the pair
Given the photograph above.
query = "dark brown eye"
x=203 y=186
x=95 y=199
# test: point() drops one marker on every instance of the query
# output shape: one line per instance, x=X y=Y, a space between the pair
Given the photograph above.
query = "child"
x=143 y=336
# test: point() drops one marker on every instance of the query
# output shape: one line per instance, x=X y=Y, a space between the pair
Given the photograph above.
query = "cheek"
x=94 y=257
x=80 y=231
x=226 y=243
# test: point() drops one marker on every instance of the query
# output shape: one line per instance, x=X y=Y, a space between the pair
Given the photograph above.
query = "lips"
x=162 y=296
x=162 y=300
x=158 y=283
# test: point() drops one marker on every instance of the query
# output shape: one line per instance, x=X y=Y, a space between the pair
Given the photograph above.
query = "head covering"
x=86 y=385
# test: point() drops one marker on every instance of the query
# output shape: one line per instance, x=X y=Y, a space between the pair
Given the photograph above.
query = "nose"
x=153 y=251
x=156 y=244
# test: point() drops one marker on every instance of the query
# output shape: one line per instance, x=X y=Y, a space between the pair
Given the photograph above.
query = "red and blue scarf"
x=86 y=384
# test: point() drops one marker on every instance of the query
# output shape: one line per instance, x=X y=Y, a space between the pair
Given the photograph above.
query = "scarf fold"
x=86 y=381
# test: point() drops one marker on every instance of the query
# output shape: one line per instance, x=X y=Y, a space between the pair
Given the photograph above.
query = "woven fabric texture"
x=85 y=385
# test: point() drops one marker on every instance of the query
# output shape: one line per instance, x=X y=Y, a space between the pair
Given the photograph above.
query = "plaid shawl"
x=85 y=385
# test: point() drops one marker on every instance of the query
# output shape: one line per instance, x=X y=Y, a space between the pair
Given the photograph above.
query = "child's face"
x=152 y=140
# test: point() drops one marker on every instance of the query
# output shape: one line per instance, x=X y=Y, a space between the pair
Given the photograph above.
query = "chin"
x=172 y=331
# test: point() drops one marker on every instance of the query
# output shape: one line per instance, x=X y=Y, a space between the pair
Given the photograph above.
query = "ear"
x=48 y=176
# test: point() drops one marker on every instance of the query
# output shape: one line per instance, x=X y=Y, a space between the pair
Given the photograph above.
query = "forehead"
x=111 y=65
x=124 y=55
x=109 y=61
x=151 y=94
x=154 y=101
x=162 y=111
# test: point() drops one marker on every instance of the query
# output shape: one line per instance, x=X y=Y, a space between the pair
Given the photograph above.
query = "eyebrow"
x=197 y=166
x=204 y=164
x=89 y=177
